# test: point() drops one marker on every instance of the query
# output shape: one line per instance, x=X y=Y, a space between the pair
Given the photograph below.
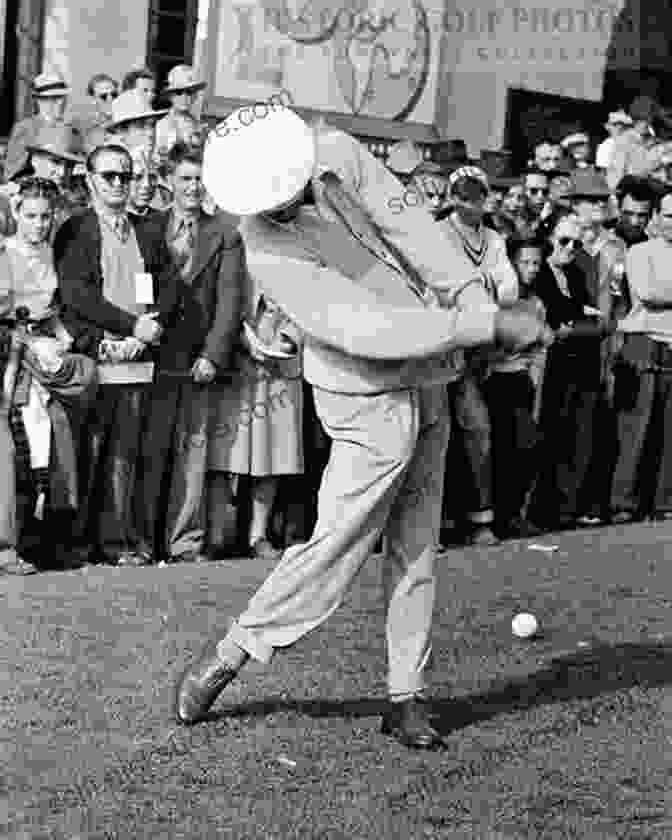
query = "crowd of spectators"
x=139 y=425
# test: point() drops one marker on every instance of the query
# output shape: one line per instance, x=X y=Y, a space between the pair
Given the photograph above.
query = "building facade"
x=386 y=68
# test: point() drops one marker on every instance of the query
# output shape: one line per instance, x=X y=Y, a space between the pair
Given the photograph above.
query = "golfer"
x=385 y=303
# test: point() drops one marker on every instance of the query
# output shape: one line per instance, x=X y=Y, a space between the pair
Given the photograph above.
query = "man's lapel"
x=210 y=232
x=145 y=243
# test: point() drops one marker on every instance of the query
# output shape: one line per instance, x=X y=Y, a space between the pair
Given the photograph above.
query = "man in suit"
x=209 y=254
x=368 y=289
x=110 y=268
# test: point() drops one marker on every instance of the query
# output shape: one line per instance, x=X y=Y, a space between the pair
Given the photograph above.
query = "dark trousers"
x=468 y=485
x=8 y=524
x=571 y=396
x=109 y=460
x=171 y=491
x=642 y=481
x=510 y=399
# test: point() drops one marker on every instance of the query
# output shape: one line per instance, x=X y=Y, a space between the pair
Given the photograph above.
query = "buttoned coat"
x=214 y=296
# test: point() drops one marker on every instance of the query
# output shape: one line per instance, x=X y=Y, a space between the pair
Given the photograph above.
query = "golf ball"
x=524 y=625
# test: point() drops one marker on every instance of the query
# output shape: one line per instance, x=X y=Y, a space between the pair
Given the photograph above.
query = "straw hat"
x=575 y=139
x=182 y=78
x=48 y=85
x=129 y=106
x=55 y=139
x=619 y=118
x=252 y=166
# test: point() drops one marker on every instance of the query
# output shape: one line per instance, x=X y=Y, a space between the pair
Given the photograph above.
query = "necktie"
x=183 y=243
x=121 y=228
x=190 y=233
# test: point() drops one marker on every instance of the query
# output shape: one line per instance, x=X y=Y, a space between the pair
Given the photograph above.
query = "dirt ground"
x=565 y=736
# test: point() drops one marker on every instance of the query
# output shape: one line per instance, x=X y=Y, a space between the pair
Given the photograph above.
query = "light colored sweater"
x=649 y=277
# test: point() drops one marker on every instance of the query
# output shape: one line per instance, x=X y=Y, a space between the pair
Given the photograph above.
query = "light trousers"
x=385 y=474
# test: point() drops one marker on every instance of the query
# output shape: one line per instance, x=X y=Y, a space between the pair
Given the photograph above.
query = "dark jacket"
x=583 y=344
x=560 y=309
x=214 y=297
x=86 y=313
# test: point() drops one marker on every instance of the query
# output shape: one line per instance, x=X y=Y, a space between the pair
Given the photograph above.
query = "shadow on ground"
x=603 y=669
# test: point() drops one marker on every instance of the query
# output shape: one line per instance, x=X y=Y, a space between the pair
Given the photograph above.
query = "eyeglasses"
x=124 y=178
x=538 y=190
x=566 y=241
x=107 y=97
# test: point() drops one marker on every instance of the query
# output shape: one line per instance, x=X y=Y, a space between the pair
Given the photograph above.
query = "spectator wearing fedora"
x=180 y=125
x=50 y=95
x=133 y=125
x=51 y=156
x=577 y=148
x=616 y=124
x=133 y=122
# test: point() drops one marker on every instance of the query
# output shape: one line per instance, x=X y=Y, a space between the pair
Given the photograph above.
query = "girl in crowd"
x=572 y=379
x=54 y=387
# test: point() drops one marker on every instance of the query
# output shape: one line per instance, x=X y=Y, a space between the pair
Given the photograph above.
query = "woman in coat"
x=572 y=381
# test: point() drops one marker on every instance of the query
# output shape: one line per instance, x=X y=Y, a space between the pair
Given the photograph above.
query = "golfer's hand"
x=517 y=328
x=203 y=371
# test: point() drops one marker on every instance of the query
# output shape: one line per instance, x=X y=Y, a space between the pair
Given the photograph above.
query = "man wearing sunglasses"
x=103 y=90
x=111 y=267
x=537 y=192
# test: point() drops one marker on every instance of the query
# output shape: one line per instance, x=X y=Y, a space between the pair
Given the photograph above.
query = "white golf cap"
x=259 y=158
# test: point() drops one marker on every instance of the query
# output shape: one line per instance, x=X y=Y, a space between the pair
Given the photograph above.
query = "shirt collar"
x=110 y=220
x=178 y=218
